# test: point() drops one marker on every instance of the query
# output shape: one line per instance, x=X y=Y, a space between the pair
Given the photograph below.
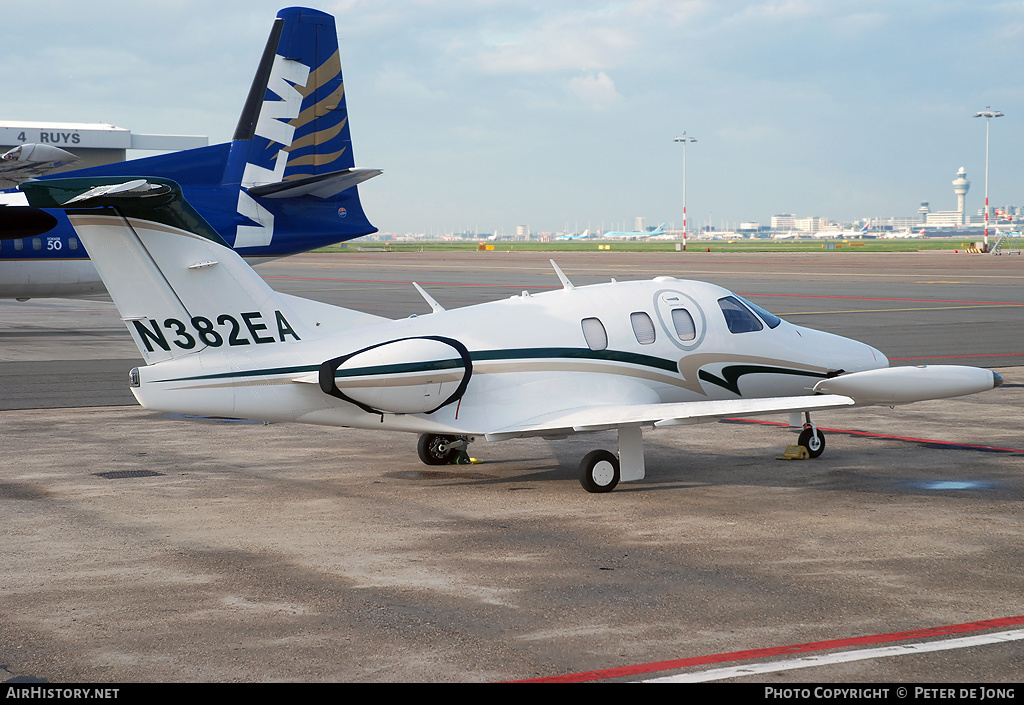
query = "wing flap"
x=601 y=418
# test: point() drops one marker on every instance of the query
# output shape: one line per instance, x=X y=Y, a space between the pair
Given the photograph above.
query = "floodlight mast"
x=988 y=114
x=684 y=139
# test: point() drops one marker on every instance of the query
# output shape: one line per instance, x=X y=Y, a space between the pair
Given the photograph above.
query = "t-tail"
x=179 y=288
x=286 y=183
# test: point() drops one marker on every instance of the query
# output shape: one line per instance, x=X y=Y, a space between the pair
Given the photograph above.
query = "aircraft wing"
x=601 y=418
x=31 y=160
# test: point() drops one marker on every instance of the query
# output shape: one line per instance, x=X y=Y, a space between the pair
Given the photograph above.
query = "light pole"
x=988 y=114
x=684 y=139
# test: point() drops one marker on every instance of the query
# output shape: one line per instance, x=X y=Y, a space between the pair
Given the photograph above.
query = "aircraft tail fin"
x=295 y=119
x=293 y=138
x=177 y=285
x=292 y=142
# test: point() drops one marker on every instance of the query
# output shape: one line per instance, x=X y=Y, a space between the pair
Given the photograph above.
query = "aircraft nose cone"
x=839 y=353
x=865 y=357
x=997 y=380
x=878 y=358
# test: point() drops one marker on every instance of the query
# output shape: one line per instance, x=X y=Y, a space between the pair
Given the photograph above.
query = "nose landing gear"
x=811 y=438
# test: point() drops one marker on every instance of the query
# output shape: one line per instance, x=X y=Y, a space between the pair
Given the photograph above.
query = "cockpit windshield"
x=739 y=317
x=767 y=316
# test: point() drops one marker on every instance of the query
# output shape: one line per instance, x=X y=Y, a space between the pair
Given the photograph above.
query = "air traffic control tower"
x=950 y=219
x=960 y=187
x=93 y=143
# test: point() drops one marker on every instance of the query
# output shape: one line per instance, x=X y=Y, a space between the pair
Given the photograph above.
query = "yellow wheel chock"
x=794 y=453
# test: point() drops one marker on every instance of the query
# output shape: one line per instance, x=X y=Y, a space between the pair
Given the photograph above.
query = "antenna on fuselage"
x=566 y=284
x=434 y=306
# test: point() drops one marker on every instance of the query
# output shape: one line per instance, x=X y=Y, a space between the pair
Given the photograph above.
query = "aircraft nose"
x=878 y=358
x=997 y=380
x=861 y=356
x=839 y=353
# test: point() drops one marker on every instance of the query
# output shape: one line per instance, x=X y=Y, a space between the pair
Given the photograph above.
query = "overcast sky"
x=487 y=114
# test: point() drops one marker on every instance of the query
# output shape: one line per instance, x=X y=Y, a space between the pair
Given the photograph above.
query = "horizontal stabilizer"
x=136 y=187
x=149 y=198
x=601 y=418
x=179 y=288
x=320 y=185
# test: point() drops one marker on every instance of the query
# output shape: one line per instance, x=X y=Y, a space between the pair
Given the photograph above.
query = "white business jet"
x=219 y=341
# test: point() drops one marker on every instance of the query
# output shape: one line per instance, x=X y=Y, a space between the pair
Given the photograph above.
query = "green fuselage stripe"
x=577 y=354
x=401 y=368
x=248 y=373
x=478 y=356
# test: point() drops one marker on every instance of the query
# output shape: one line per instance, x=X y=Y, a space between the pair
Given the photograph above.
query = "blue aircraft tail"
x=297 y=102
x=286 y=183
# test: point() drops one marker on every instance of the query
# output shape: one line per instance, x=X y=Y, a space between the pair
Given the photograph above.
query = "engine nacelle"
x=39 y=154
x=902 y=385
x=405 y=376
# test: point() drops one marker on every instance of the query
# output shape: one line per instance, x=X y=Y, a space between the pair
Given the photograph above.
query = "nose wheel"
x=813 y=440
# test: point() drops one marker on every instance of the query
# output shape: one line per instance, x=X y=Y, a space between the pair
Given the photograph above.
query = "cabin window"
x=738 y=317
x=19 y=244
x=768 y=317
x=594 y=332
x=683 y=323
x=643 y=327
x=37 y=244
x=72 y=243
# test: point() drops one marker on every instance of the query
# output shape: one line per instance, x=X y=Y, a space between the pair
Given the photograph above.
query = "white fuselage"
x=530 y=356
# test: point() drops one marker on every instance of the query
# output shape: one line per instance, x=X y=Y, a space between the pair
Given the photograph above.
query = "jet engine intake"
x=406 y=376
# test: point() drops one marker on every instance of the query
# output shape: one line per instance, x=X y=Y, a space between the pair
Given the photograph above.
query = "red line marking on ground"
x=880 y=298
x=401 y=281
x=950 y=357
x=806 y=296
x=866 y=434
x=777 y=651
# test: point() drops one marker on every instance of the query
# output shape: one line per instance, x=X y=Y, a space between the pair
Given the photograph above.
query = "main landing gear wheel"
x=439 y=450
x=599 y=471
x=815 y=444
